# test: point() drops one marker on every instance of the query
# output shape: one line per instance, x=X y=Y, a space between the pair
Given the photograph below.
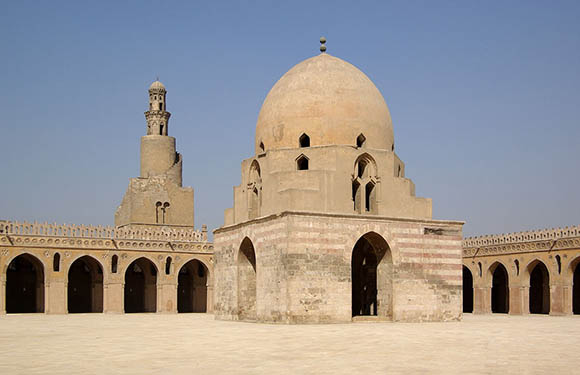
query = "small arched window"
x=158 y=212
x=304 y=140
x=168 y=266
x=360 y=140
x=517 y=263
x=56 y=262
x=262 y=148
x=559 y=264
x=114 y=263
x=302 y=163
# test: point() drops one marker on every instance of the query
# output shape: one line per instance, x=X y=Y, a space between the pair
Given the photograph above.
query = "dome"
x=327 y=99
x=157 y=86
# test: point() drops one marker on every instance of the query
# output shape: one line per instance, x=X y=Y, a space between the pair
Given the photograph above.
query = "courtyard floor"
x=197 y=344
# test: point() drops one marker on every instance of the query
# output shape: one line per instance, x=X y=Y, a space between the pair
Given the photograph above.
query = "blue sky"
x=484 y=98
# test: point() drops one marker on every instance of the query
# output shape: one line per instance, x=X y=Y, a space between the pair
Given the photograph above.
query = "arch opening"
x=141 y=286
x=85 y=286
x=304 y=140
x=500 y=290
x=539 y=289
x=192 y=287
x=576 y=290
x=25 y=285
x=467 y=290
x=371 y=277
x=247 y=281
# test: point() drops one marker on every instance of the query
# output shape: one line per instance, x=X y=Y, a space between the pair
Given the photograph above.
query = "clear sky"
x=484 y=97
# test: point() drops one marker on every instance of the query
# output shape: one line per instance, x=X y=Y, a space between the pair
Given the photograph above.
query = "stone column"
x=517 y=300
x=167 y=298
x=2 y=294
x=481 y=300
x=558 y=293
x=113 y=297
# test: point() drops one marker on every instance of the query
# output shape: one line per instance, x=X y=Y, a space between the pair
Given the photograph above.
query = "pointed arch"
x=574 y=270
x=25 y=285
x=499 y=288
x=539 y=291
x=192 y=283
x=302 y=163
x=247 y=280
x=141 y=286
x=304 y=140
x=372 y=276
x=85 y=286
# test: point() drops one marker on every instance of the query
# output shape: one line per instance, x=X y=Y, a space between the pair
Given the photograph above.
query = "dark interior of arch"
x=141 y=287
x=467 y=291
x=192 y=288
x=539 y=290
x=247 y=281
x=25 y=285
x=500 y=290
x=576 y=290
x=85 y=286
x=364 y=278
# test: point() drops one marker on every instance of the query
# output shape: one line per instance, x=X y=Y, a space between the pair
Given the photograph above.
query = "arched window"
x=360 y=140
x=165 y=210
x=262 y=148
x=370 y=197
x=517 y=263
x=364 y=185
x=168 y=266
x=56 y=262
x=158 y=212
x=302 y=163
x=559 y=263
x=114 y=262
x=304 y=140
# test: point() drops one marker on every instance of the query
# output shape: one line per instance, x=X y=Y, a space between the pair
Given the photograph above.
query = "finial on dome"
x=322 y=44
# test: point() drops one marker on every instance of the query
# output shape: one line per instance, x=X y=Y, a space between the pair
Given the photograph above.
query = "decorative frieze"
x=521 y=242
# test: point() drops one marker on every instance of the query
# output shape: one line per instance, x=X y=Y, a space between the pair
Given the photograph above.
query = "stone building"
x=533 y=272
x=325 y=226
x=153 y=260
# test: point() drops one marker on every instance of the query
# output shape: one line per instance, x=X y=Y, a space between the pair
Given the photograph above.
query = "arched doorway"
x=539 y=289
x=247 y=281
x=576 y=290
x=500 y=293
x=25 y=285
x=141 y=286
x=192 y=287
x=85 y=286
x=371 y=274
x=467 y=290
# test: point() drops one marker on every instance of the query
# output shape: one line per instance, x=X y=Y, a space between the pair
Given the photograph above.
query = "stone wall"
x=56 y=247
x=303 y=267
x=555 y=251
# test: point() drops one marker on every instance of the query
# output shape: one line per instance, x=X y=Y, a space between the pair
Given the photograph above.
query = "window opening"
x=262 y=148
x=559 y=262
x=369 y=189
x=56 y=262
x=360 y=140
x=302 y=163
x=517 y=262
x=157 y=213
x=114 y=262
x=168 y=266
x=304 y=140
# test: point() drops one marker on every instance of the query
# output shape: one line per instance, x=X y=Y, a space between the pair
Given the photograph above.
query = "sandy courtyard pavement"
x=197 y=344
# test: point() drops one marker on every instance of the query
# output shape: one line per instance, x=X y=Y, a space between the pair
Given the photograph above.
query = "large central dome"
x=328 y=99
